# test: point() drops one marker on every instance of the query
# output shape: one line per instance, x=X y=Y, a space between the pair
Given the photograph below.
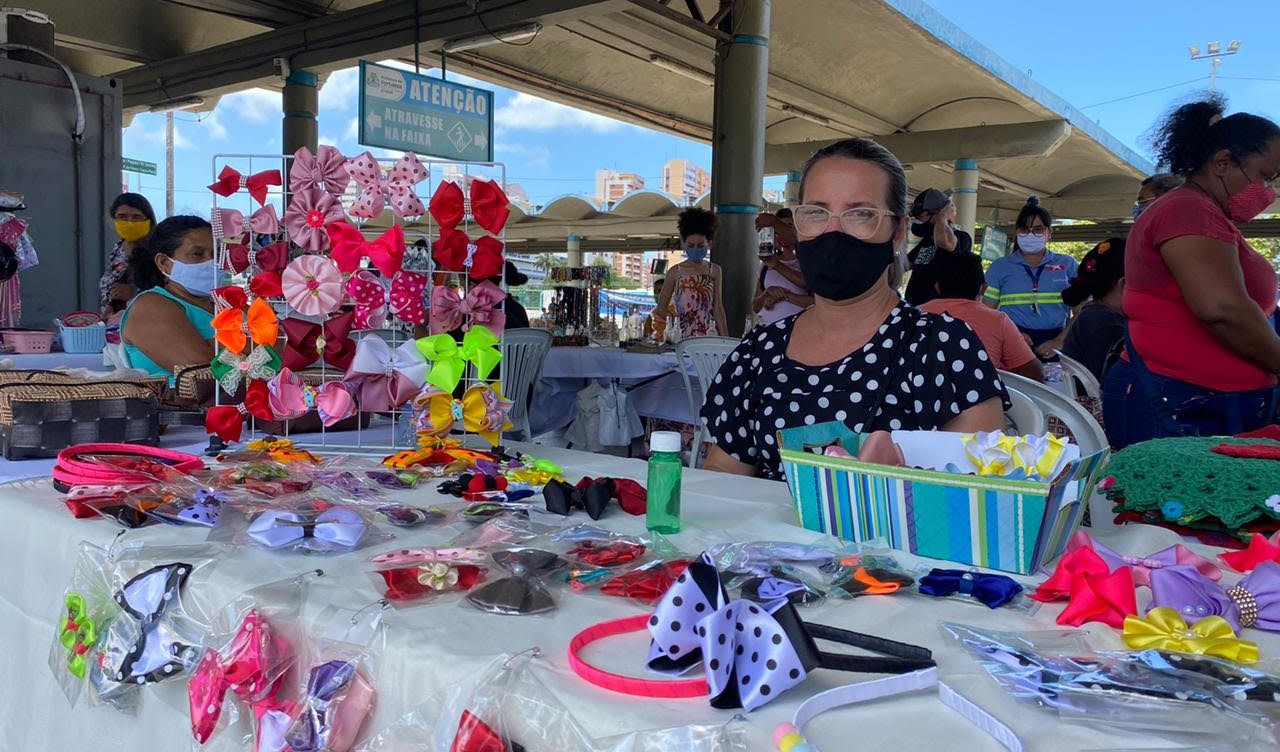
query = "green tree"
x=548 y=261
x=1269 y=248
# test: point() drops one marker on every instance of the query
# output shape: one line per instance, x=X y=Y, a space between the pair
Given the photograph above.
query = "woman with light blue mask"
x=169 y=324
x=691 y=292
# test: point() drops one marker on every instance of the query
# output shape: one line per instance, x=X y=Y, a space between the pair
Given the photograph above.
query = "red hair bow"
x=412 y=583
x=474 y=735
x=448 y=207
x=227 y=421
x=455 y=253
x=271 y=258
x=229 y=296
x=307 y=342
x=230 y=180
x=489 y=205
x=349 y=246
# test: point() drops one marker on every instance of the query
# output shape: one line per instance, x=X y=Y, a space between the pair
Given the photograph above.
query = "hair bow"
x=234 y=328
x=244 y=669
x=203 y=509
x=397 y=189
x=339 y=699
x=449 y=312
x=520 y=593
x=78 y=634
x=413 y=573
x=482 y=410
x=593 y=496
x=335 y=527
x=1164 y=629
x=272 y=258
x=992 y=590
x=325 y=170
x=231 y=369
x=310 y=211
x=754 y=652
x=230 y=180
x=229 y=223
x=474 y=735
x=1094 y=592
x=386 y=379
x=291 y=397
x=227 y=421
x=370 y=298
x=349 y=246
x=449 y=360
x=1141 y=566
x=456 y=253
x=313 y=285
x=646 y=584
x=448 y=206
x=1260 y=549
x=307 y=342
x=406 y=300
x=1254 y=602
x=229 y=296
x=155 y=651
x=489 y=205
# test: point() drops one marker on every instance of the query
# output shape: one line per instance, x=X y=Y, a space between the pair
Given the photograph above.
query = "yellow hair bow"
x=1164 y=629
x=482 y=410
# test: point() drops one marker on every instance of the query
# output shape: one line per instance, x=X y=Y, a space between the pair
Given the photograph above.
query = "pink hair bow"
x=325 y=170
x=229 y=223
x=370 y=298
x=406 y=300
x=349 y=246
x=1141 y=566
x=413 y=556
x=230 y=180
x=397 y=189
x=385 y=378
x=291 y=397
x=448 y=311
x=246 y=669
x=312 y=285
x=310 y=211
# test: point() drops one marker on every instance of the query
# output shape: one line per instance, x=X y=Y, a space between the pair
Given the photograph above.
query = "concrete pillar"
x=791 y=192
x=964 y=192
x=737 y=153
x=301 y=104
x=574 y=246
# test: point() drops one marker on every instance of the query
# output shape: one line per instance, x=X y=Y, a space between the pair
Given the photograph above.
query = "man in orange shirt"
x=960 y=284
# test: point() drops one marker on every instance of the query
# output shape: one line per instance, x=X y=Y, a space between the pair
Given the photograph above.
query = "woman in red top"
x=1202 y=357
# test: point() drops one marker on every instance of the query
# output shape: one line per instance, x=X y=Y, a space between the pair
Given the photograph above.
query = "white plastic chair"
x=705 y=355
x=523 y=351
x=1076 y=376
x=1086 y=432
x=1026 y=416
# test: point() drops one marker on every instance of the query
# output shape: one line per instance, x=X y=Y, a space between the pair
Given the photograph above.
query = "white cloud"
x=142 y=135
x=340 y=90
x=531 y=157
x=527 y=112
x=353 y=130
x=253 y=106
x=328 y=140
x=212 y=123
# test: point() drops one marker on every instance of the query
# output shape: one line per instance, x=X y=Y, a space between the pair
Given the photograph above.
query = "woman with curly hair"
x=692 y=290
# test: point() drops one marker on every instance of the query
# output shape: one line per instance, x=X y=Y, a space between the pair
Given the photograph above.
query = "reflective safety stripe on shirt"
x=1032 y=296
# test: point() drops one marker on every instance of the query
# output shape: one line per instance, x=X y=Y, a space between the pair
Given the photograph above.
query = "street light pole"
x=1214 y=54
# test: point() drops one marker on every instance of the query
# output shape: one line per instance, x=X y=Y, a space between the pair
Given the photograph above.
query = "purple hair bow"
x=1254 y=602
x=335 y=527
x=1142 y=566
x=754 y=652
x=339 y=699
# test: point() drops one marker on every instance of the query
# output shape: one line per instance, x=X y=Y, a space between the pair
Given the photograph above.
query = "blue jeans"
x=1189 y=410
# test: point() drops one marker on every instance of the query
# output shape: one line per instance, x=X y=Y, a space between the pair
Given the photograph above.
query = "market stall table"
x=54 y=360
x=430 y=647
x=652 y=380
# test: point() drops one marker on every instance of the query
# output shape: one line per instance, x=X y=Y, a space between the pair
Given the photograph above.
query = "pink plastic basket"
x=28 y=342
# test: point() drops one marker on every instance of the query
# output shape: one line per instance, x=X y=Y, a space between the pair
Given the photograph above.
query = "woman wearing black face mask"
x=859 y=354
x=1201 y=357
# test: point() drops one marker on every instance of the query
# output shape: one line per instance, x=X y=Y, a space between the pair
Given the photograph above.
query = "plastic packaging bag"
x=337 y=690
x=523 y=591
x=306 y=524
x=86 y=608
x=412 y=575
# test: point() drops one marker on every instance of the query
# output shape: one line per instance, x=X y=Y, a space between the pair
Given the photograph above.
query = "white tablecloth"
x=429 y=647
x=652 y=380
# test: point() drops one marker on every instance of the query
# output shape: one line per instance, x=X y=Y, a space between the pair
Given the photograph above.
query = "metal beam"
x=980 y=142
x=697 y=24
x=340 y=37
x=97 y=47
x=269 y=13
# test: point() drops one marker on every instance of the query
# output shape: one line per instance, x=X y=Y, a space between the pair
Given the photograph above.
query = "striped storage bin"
x=1011 y=525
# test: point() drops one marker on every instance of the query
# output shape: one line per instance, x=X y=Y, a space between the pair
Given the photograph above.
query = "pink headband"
x=627 y=685
x=132 y=464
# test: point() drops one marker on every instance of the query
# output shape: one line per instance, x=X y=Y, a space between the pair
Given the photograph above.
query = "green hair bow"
x=449 y=360
x=231 y=369
x=77 y=634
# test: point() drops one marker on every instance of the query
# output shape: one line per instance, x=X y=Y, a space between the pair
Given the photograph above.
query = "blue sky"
x=1086 y=51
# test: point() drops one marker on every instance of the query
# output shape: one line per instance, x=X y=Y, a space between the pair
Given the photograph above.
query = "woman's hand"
x=1046 y=349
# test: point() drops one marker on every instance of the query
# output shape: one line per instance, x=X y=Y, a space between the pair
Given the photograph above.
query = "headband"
x=133 y=465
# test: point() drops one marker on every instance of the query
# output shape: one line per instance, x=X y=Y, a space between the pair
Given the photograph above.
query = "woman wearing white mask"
x=1028 y=283
x=170 y=322
x=692 y=288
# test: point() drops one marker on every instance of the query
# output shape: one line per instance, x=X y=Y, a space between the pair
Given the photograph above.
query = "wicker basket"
x=44 y=413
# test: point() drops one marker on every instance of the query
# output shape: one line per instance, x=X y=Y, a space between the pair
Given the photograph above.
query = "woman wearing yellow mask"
x=133 y=219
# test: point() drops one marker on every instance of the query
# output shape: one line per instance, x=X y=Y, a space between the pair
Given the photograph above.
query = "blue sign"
x=410 y=112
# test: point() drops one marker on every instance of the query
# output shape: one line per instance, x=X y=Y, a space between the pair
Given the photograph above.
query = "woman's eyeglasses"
x=862 y=223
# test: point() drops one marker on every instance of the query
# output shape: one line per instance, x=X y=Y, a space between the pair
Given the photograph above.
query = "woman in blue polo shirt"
x=1028 y=283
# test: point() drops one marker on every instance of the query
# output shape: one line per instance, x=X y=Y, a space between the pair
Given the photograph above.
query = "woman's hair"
x=1100 y=270
x=1190 y=134
x=959 y=275
x=1031 y=210
x=869 y=151
x=697 y=221
x=1163 y=183
x=133 y=201
x=165 y=238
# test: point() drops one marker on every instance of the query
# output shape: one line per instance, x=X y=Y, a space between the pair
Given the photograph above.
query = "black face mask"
x=921 y=229
x=838 y=266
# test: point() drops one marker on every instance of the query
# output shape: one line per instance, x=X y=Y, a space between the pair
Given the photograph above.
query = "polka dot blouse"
x=943 y=371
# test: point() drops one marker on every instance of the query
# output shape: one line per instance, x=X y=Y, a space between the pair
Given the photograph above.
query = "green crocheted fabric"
x=1186 y=482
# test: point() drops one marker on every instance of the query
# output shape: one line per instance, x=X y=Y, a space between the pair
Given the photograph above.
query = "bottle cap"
x=664 y=441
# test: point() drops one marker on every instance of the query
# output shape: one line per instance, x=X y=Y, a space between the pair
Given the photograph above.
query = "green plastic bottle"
x=663 y=497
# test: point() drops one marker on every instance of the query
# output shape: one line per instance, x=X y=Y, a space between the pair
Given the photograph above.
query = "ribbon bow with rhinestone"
x=227 y=421
x=456 y=253
x=482 y=410
x=397 y=189
x=1254 y=602
x=234 y=328
x=230 y=180
x=229 y=223
x=386 y=378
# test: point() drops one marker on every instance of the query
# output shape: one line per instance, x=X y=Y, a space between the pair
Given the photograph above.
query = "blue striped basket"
x=1011 y=525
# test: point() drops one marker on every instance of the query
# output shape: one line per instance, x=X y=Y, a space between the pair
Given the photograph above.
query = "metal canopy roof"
x=891 y=69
